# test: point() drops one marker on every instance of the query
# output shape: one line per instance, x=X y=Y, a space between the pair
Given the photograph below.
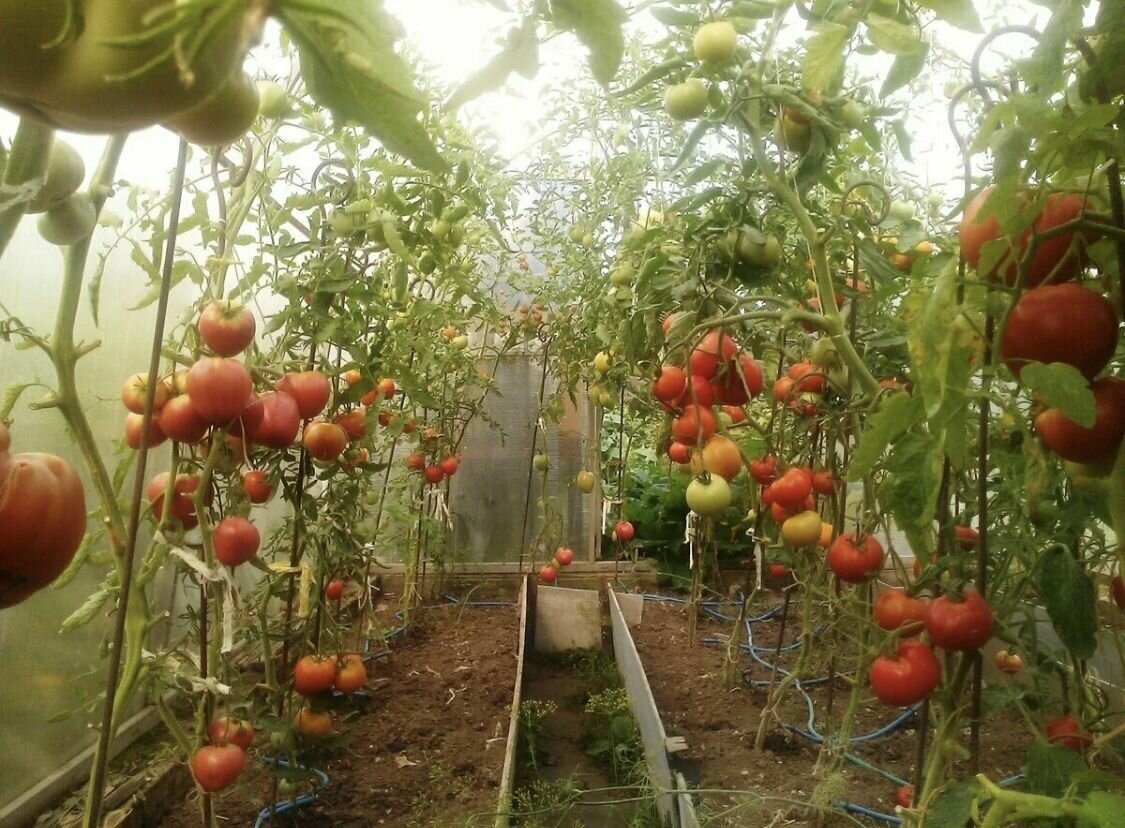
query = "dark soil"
x=720 y=719
x=427 y=750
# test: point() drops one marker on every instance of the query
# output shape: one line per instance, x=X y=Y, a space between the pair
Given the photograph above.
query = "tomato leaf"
x=953 y=807
x=904 y=69
x=350 y=65
x=94 y=602
x=893 y=37
x=824 y=56
x=520 y=54
x=597 y=23
x=674 y=17
x=1049 y=768
x=1063 y=387
x=910 y=492
x=896 y=414
x=1068 y=593
x=958 y=12
x=1101 y=810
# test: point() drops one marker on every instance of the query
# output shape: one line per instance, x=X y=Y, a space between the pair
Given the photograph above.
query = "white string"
x=220 y=574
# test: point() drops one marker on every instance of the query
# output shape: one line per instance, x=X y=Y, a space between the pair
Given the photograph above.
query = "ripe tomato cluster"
x=433 y=459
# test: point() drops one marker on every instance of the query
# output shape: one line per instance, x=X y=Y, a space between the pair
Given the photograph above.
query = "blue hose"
x=288 y=805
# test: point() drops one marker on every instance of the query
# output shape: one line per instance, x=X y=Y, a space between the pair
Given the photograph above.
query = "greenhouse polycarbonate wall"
x=490 y=493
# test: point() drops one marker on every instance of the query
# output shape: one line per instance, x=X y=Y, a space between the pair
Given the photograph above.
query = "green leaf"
x=1101 y=810
x=674 y=17
x=824 y=56
x=85 y=613
x=1063 y=387
x=350 y=65
x=896 y=414
x=934 y=342
x=953 y=806
x=704 y=171
x=1068 y=593
x=958 y=12
x=12 y=395
x=893 y=37
x=904 y=69
x=655 y=73
x=520 y=54
x=1049 y=768
x=692 y=142
x=910 y=491
x=597 y=23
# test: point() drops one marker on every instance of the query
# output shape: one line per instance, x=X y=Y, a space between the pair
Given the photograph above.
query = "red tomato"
x=1009 y=663
x=1096 y=444
x=783 y=389
x=134 y=427
x=324 y=441
x=281 y=420
x=906 y=678
x=1057 y=208
x=679 y=453
x=548 y=574
x=855 y=562
x=216 y=767
x=235 y=540
x=1060 y=323
x=256 y=485
x=135 y=389
x=824 y=482
x=449 y=465
x=183 y=509
x=313 y=674
x=806 y=377
x=737 y=382
x=228 y=730
x=219 y=388
x=778 y=570
x=351 y=675
x=42 y=520
x=415 y=461
x=624 y=531
x=967 y=537
x=433 y=474
x=669 y=386
x=959 y=625
x=564 y=556
x=354 y=423
x=894 y=609
x=226 y=327
x=334 y=589
x=353 y=376
x=1066 y=731
x=904 y=796
x=736 y=413
x=714 y=349
x=764 y=469
x=386 y=388
x=180 y=421
x=668 y=322
x=698 y=392
x=1119 y=591
x=790 y=490
x=312 y=724
x=695 y=425
x=310 y=389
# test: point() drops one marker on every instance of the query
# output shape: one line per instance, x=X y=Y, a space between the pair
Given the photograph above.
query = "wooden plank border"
x=508 y=774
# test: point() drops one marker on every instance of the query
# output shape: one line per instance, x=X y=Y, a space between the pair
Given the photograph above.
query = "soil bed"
x=720 y=723
x=426 y=749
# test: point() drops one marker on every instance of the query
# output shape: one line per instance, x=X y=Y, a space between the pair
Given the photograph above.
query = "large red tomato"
x=959 y=624
x=280 y=422
x=764 y=469
x=907 y=678
x=669 y=386
x=894 y=609
x=1096 y=444
x=325 y=441
x=42 y=520
x=854 y=562
x=714 y=349
x=623 y=530
x=790 y=490
x=313 y=674
x=226 y=327
x=738 y=381
x=1057 y=208
x=219 y=388
x=216 y=767
x=695 y=425
x=235 y=540
x=1060 y=323
x=183 y=509
x=698 y=391
x=180 y=421
x=310 y=389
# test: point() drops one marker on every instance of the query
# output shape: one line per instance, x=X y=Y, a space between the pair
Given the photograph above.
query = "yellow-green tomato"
x=65 y=172
x=708 y=497
x=585 y=481
x=274 y=100
x=793 y=132
x=687 y=100
x=541 y=462
x=223 y=118
x=715 y=42
x=69 y=221
x=763 y=254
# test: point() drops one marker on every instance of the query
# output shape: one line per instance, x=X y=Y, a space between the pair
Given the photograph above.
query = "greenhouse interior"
x=562 y=413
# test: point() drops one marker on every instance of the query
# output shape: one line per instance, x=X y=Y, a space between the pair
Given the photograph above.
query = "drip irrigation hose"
x=810 y=732
x=287 y=805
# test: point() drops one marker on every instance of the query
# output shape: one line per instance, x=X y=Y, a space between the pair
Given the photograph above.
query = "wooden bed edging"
x=508 y=774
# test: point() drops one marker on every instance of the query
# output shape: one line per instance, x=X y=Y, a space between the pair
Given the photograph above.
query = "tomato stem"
x=27 y=161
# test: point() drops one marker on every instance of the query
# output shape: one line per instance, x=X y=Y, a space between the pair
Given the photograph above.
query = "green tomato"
x=715 y=42
x=622 y=275
x=223 y=118
x=541 y=462
x=459 y=342
x=371 y=497
x=708 y=498
x=65 y=172
x=791 y=133
x=687 y=100
x=69 y=221
x=766 y=254
x=427 y=263
x=456 y=235
x=576 y=234
x=853 y=115
x=440 y=229
x=274 y=100
x=902 y=210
